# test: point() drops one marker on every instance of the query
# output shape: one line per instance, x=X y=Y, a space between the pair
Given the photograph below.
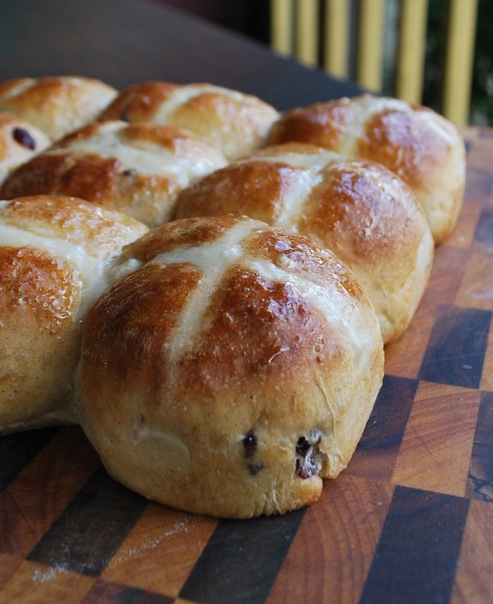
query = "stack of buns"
x=206 y=284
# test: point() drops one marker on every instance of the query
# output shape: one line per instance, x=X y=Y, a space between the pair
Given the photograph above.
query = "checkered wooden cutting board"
x=410 y=520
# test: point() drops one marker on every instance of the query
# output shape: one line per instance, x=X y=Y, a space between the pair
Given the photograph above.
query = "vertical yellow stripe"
x=370 y=44
x=307 y=31
x=281 y=18
x=336 y=37
x=411 y=50
x=459 y=60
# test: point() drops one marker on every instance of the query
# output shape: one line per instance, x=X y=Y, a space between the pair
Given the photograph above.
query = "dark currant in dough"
x=308 y=458
x=23 y=137
x=255 y=468
x=250 y=444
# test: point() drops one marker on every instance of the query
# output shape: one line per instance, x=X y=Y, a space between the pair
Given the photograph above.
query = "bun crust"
x=234 y=122
x=54 y=263
x=358 y=209
x=19 y=142
x=56 y=105
x=255 y=362
x=417 y=144
x=138 y=169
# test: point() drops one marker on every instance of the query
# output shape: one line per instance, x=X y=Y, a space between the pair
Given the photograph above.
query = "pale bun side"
x=231 y=370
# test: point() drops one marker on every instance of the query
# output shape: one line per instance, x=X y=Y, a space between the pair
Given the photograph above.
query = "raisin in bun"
x=358 y=209
x=416 y=143
x=232 y=371
x=138 y=169
x=55 y=259
x=232 y=121
x=56 y=105
x=19 y=142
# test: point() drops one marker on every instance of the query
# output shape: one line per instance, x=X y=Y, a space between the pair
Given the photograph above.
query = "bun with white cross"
x=232 y=121
x=138 y=169
x=231 y=370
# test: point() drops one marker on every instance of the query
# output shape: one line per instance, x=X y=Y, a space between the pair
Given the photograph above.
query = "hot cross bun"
x=234 y=122
x=138 y=169
x=55 y=259
x=231 y=370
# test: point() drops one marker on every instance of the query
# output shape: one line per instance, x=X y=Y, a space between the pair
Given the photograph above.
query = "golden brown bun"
x=138 y=169
x=234 y=122
x=56 y=105
x=55 y=256
x=19 y=142
x=232 y=371
x=420 y=146
x=358 y=209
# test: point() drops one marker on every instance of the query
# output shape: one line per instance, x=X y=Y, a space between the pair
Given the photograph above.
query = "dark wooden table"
x=127 y=41
x=410 y=520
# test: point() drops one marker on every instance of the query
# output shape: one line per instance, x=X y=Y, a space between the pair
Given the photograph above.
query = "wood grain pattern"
x=436 y=449
x=473 y=576
x=416 y=557
x=159 y=553
x=38 y=583
x=404 y=357
x=33 y=501
x=344 y=526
